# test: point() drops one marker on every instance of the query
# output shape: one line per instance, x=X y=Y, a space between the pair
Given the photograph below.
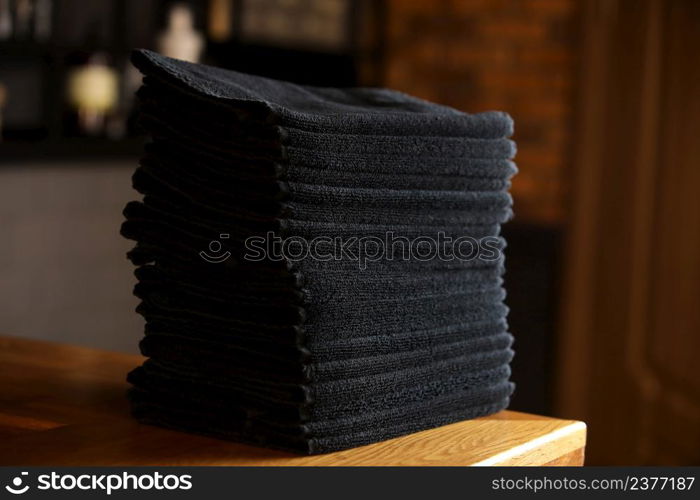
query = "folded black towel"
x=359 y=110
x=299 y=144
x=268 y=361
x=321 y=350
x=363 y=287
x=182 y=237
x=178 y=414
x=308 y=402
x=320 y=322
x=302 y=194
x=231 y=415
x=207 y=162
x=232 y=189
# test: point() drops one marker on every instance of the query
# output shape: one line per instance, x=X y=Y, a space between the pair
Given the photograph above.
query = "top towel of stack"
x=373 y=111
x=314 y=355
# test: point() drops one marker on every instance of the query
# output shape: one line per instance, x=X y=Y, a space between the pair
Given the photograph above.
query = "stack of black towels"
x=296 y=290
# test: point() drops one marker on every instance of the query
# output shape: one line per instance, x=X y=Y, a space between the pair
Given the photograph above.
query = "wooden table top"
x=66 y=405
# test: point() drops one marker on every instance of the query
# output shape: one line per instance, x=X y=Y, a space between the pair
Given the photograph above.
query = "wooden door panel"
x=631 y=312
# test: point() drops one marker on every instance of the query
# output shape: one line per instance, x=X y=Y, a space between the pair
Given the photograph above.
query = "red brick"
x=514 y=30
x=514 y=55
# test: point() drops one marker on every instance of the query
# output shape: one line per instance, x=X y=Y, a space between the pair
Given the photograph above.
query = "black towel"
x=359 y=110
x=178 y=414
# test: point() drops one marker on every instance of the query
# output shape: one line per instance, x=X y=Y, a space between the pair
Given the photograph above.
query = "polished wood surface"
x=66 y=405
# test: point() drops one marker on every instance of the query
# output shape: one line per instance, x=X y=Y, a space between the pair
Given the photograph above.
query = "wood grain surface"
x=66 y=405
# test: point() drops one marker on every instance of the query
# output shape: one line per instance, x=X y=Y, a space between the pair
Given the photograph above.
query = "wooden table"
x=65 y=405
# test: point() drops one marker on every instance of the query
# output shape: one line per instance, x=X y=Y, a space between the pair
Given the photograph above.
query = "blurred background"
x=604 y=252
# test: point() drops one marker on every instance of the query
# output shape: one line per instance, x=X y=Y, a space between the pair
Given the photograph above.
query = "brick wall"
x=511 y=55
